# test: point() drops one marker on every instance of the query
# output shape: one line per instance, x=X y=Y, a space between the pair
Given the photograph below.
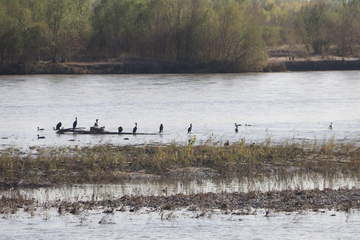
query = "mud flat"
x=234 y=203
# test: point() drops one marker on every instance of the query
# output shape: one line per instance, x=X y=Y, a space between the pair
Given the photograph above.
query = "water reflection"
x=89 y=192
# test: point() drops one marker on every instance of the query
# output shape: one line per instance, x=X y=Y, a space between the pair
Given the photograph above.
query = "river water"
x=278 y=106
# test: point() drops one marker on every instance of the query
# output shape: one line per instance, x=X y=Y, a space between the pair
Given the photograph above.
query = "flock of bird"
x=120 y=129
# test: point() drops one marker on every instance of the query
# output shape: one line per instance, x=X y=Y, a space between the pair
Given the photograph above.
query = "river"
x=279 y=107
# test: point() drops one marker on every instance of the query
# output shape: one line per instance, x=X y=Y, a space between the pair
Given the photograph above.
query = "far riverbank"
x=149 y=66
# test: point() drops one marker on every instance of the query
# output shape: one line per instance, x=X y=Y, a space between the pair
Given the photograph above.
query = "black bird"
x=120 y=129
x=236 y=125
x=236 y=129
x=40 y=129
x=40 y=137
x=189 y=129
x=75 y=123
x=135 y=128
x=161 y=128
x=96 y=124
x=58 y=126
x=331 y=126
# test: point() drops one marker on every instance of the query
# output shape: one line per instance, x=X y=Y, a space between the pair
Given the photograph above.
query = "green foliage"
x=231 y=34
x=67 y=23
x=315 y=27
x=349 y=28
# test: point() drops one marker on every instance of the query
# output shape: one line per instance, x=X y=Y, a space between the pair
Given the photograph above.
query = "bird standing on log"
x=135 y=128
x=58 y=126
x=75 y=123
x=120 y=129
x=161 y=128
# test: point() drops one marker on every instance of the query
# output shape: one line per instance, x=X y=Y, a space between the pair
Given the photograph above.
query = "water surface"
x=279 y=106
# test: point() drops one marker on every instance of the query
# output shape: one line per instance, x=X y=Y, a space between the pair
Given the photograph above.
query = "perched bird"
x=237 y=125
x=58 y=126
x=135 y=128
x=40 y=137
x=96 y=124
x=227 y=143
x=120 y=129
x=40 y=129
x=161 y=128
x=331 y=126
x=236 y=129
x=189 y=129
x=75 y=123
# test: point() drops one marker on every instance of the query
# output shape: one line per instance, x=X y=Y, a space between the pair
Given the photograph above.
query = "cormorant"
x=189 y=129
x=75 y=123
x=96 y=124
x=58 y=126
x=331 y=126
x=161 y=128
x=120 y=129
x=135 y=128
x=236 y=129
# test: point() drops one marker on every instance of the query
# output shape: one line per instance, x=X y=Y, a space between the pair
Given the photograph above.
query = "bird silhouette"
x=189 y=129
x=135 y=128
x=58 y=126
x=75 y=123
x=161 y=128
x=120 y=129
x=331 y=126
x=40 y=137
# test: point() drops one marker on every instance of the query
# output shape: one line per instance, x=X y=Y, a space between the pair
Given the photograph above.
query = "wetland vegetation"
x=108 y=163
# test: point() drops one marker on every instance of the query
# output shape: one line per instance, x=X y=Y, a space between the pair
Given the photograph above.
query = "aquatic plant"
x=109 y=163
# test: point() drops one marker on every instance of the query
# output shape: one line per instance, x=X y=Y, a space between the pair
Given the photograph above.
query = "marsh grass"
x=109 y=163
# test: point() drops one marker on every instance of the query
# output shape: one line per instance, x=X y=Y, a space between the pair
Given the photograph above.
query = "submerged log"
x=98 y=131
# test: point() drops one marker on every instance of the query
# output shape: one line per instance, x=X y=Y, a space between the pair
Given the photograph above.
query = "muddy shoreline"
x=141 y=66
x=231 y=203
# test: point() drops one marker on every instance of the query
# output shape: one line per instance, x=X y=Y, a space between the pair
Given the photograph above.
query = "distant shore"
x=312 y=65
x=146 y=66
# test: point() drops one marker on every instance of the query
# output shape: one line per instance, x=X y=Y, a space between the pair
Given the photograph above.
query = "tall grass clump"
x=109 y=163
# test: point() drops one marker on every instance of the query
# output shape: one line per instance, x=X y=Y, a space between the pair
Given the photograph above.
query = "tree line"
x=233 y=32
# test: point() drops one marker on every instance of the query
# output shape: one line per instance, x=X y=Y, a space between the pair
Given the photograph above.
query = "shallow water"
x=96 y=192
x=48 y=224
x=279 y=106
